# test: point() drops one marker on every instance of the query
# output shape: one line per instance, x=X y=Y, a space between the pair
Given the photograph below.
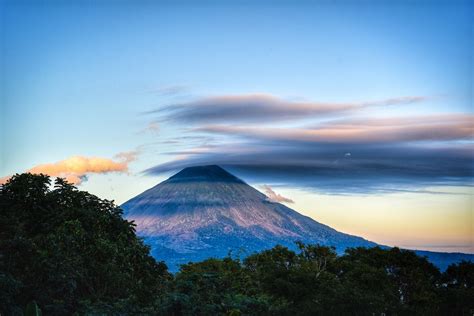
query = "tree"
x=408 y=282
x=69 y=251
x=457 y=289
x=65 y=251
x=215 y=287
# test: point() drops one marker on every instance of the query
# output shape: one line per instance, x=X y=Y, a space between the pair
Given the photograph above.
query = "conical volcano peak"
x=209 y=173
x=204 y=211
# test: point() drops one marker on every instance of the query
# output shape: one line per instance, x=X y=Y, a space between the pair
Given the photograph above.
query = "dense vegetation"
x=70 y=251
x=65 y=251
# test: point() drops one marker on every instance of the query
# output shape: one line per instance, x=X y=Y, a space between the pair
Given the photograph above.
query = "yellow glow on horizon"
x=438 y=222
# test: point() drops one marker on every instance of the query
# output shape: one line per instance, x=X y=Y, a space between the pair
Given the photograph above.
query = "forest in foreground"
x=67 y=252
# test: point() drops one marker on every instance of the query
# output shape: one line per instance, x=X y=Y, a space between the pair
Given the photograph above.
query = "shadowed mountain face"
x=204 y=211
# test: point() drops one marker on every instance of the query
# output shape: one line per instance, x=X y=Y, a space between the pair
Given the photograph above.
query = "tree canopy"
x=68 y=250
x=64 y=251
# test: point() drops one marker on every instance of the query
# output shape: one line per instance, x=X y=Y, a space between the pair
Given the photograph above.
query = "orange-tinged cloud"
x=423 y=128
x=76 y=168
x=275 y=197
x=3 y=180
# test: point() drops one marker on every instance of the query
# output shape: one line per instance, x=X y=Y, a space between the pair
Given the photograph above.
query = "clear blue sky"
x=78 y=78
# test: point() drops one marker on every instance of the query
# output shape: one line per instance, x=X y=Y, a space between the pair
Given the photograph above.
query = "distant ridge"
x=204 y=211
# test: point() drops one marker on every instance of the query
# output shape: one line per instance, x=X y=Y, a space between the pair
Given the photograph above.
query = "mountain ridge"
x=205 y=211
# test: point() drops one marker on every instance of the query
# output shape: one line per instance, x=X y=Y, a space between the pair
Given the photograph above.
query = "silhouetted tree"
x=69 y=251
x=457 y=289
x=65 y=251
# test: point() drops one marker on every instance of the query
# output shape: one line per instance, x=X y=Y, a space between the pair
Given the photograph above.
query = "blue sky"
x=82 y=78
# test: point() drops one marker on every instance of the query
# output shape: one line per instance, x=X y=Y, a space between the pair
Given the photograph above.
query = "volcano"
x=205 y=211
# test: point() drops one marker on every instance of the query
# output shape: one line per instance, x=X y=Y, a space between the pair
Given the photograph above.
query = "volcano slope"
x=205 y=211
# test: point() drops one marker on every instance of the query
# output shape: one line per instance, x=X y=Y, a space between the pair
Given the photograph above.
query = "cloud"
x=171 y=90
x=324 y=167
x=275 y=197
x=76 y=169
x=263 y=107
x=324 y=173
x=267 y=139
x=127 y=156
x=3 y=180
x=382 y=130
x=152 y=127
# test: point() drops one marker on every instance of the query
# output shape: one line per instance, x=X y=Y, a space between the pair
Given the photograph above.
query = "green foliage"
x=407 y=281
x=63 y=247
x=67 y=252
x=457 y=289
x=214 y=287
x=315 y=281
x=32 y=309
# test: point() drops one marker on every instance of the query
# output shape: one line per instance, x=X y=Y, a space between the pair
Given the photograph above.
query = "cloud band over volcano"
x=385 y=153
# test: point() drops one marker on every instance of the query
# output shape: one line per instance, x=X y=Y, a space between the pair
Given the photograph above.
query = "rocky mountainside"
x=205 y=211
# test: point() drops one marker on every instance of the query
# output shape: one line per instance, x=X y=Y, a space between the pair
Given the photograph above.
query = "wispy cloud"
x=170 y=90
x=75 y=169
x=341 y=154
x=327 y=170
x=275 y=197
x=152 y=127
x=346 y=156
x=258 y=107
x=127 y=156
x=412 y=129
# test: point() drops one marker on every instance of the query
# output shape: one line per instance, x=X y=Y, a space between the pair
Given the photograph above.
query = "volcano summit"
x=205 y=211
